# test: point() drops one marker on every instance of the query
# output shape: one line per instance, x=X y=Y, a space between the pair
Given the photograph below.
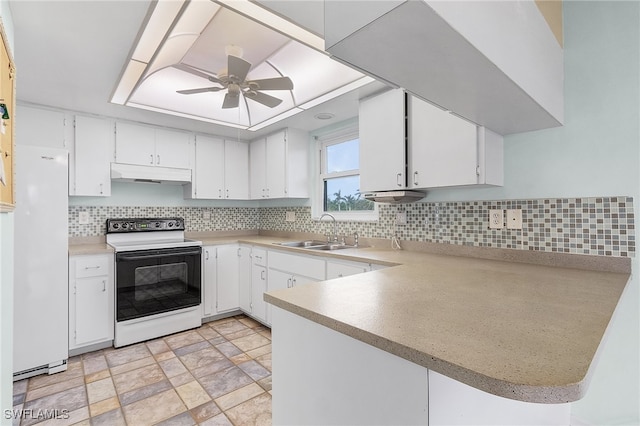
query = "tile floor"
x=218 y=374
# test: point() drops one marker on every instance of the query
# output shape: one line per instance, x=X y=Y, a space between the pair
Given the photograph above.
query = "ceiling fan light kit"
x=233 y=79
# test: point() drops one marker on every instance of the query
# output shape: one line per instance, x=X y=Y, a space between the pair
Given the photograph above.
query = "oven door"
x=154 y=281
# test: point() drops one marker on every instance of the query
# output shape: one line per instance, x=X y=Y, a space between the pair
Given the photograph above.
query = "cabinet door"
x=209 y=168
x=257 y=169
x=258 y=287
x=236 y=171
x=135 y=144
x=92 y=317
x=443 y=149
x=173 y=149
x=382 y=142
x=208 y=281
x=93 y=156
x=277 y=280
x=244 y=278
x=227 y=266
x=276 y=165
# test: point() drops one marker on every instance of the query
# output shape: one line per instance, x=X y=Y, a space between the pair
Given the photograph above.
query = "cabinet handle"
x=92 y=267
x=293 y=283
x=151 y=162
x=415 y=178
x=398 y=177
x=257 y=257
x=158 y=158
x=207 y=254
x=104 y=285
x=267 y=192
x=101 y=191
x=262 y=275
x=227 y=193
x=289 y=283
x=339 y=275
x=263 y=193
x=219 y=193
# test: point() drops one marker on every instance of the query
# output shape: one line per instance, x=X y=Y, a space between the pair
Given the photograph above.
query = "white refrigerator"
x=40 y=322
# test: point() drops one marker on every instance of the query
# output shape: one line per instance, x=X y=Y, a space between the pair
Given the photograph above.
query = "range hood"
x=149 y=174
x=394 y=196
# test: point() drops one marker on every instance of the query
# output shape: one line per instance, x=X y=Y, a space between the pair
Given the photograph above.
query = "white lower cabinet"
x=289 y=270
x=220 y=279
x=91 y=300
x=244 y=278
x=259 y=284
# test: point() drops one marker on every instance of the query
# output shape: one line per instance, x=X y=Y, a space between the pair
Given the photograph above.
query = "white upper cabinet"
x=442 y=148
x=173 y=149
x=497 y=63
x=93 y=154
x=208 y=174
x=221 y=170
x=150 y=146
x=279 y=165
x=236 y=171
x=382 y=142
x=406 y=143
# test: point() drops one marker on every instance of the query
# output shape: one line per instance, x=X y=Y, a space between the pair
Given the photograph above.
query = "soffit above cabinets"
x=199 y=34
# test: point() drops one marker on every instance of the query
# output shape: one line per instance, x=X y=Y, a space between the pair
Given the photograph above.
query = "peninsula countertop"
x=522 y=331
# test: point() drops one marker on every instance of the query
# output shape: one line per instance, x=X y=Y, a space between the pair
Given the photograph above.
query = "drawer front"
x=259 y=256
x=92 y=266
x=297 y=265
x=339 y=269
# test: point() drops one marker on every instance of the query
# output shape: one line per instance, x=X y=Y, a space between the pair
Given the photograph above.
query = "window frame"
x=324 y=140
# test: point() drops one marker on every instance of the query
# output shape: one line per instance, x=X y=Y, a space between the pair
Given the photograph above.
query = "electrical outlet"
x=496 y=219
x=290 y=216
x=206 y=215
x=401 y=218
x=514 y=219
x=83 y=218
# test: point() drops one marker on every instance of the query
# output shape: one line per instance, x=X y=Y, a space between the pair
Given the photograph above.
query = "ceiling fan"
x=233 y=79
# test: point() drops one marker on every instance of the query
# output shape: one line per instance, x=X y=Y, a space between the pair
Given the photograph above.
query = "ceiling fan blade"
x=238 y=67
x=277 y=83
x=230 y=101
x=190 y=70
x=203 y=90
x=263 y=98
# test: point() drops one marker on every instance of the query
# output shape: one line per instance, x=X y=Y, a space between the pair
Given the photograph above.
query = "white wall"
x=596 y=153
x=6 y=276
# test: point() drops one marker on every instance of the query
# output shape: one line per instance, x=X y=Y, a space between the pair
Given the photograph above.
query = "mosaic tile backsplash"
x=597 y=226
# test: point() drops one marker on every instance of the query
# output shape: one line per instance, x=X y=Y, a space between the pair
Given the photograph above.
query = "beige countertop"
x=522 y=331
x=527 y=330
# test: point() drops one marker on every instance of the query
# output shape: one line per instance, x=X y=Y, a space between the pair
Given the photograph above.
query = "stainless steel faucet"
x=335 y=228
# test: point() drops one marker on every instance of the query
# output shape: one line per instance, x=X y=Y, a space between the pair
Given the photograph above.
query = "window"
x=339 y=182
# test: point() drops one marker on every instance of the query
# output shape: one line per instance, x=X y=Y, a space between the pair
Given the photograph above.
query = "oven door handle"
x=130 y=257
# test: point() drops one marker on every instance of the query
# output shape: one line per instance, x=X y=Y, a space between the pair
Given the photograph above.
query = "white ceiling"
x=70 y=54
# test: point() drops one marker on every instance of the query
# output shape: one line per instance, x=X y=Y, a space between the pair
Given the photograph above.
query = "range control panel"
x=143 y=225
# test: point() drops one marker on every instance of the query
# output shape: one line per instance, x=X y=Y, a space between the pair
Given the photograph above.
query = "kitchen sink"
x=334 y=246
x=314 y=245
x=302 y=244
